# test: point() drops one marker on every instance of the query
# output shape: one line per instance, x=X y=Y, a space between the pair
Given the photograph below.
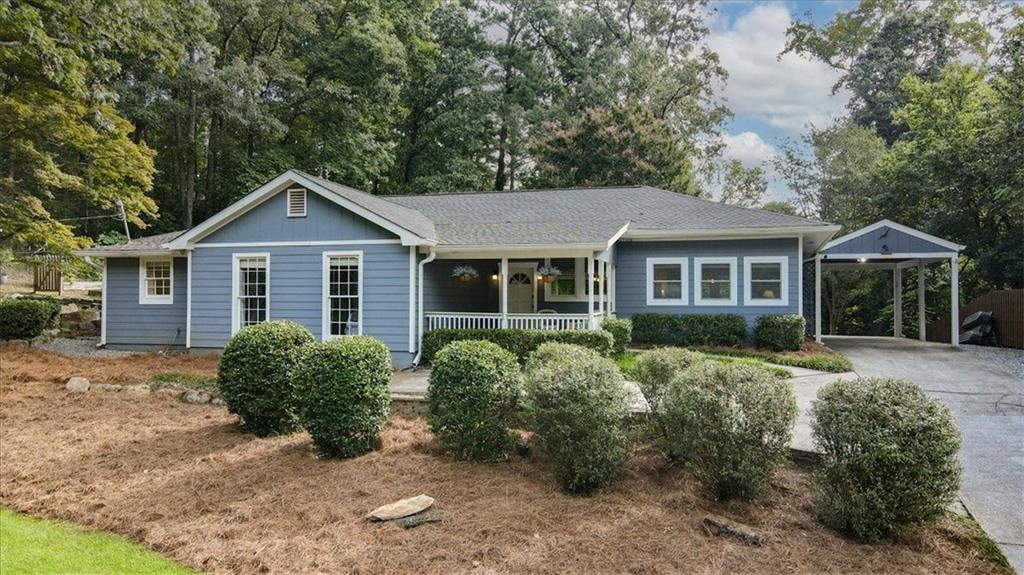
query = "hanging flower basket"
x=465 y=273
x=548 y=273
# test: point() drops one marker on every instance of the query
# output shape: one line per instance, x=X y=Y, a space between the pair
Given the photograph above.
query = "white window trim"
x=697 y=265
x=581 y=280
x=748 y=278
x=325 y=290
x=144 y=297
x=234 y=286
x=684 y=281
x=288 y=202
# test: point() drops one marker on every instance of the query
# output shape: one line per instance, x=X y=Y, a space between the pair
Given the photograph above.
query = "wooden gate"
x=47 y=274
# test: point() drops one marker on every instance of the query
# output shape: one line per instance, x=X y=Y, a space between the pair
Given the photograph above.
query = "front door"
x=521 y=289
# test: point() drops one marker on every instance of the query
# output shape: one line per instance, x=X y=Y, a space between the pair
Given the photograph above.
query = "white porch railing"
x=484 y=320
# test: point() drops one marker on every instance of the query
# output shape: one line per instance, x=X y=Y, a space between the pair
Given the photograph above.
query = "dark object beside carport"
x=978 y=329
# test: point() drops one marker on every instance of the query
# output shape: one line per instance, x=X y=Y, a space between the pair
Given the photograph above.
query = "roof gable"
x=410 y=226
x=888 y=237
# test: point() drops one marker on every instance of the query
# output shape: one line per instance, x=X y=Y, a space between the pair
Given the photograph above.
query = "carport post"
x=817 y=298
x=922 y=321
x=954 y=302
x=897 y=301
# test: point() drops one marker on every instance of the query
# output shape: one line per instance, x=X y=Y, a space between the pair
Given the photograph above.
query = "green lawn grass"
x=831 y=362
x=627 y=361
x=205 y=382
x=36 y=546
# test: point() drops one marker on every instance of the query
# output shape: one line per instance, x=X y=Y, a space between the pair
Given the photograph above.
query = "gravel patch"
x=1009 y=359
x=81 y=347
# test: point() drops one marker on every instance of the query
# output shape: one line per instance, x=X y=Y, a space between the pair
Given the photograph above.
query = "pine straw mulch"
x=183 y=480
x=20 y=363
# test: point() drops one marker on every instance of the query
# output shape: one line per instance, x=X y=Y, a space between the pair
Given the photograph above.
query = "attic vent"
x=297 y=203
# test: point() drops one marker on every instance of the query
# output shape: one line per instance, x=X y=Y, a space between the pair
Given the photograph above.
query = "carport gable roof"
x=888 y=240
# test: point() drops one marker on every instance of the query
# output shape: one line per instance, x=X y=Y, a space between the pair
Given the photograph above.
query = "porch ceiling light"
x=862 y=260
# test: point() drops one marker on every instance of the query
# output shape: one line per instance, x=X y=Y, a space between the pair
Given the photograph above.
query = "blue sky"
x=772 y=99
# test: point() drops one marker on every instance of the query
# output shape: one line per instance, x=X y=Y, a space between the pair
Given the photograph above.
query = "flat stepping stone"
x=402 y=508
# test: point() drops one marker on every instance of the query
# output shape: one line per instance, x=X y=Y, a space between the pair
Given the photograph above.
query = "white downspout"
x=419 y=308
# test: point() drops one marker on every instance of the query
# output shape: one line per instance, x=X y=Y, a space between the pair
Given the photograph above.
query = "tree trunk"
x=499 y=175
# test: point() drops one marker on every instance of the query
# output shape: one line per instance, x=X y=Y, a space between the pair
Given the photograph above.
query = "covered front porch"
x=550 y=291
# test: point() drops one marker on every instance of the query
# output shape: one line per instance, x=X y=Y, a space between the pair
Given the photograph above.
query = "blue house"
x=344 y=262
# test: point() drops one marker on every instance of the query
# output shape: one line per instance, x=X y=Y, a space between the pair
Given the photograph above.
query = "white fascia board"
x=896 y=256
x=728 y=233
x=269 y=189
x=898 y=227
x=131 y=254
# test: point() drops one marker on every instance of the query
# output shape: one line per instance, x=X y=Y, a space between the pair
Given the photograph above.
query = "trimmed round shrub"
x=256 y=376
x=521 y=342
x=655 y=371
x=471 y=399
x=779 y=332
x=576 y=404
x=554 y=351
x=622 y=333
x=26 y=318
x=889 y=456
x=738 y=420
x=343 y=394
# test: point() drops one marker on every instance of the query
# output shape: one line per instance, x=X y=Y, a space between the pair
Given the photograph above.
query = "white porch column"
x=590 y=290
x=611 y=288
x=954 y=302
x=602 y=275
x=503 y=282
x=922 y=321
x=897 y=302
x=817 y=298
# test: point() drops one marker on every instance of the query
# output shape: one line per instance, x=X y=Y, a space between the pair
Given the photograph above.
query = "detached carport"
x=891 y=246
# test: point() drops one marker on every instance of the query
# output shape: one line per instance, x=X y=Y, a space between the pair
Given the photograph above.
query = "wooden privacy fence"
x=1007 y=307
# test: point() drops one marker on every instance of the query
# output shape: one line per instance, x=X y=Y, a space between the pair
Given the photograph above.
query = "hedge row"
x=779 y=332
x=26 y=317
x=521 y=342
x=689 y=330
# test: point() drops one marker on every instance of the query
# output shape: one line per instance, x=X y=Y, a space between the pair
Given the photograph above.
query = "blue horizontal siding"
x=296 y=286
x=631 y=274
x=131 y=323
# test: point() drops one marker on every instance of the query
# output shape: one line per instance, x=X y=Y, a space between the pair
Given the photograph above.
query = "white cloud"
x=747 y=147
x=786 y=93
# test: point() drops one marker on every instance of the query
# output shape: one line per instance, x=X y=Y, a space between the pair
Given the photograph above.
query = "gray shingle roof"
x=143 y=244
x=580 y=215
x=400 y=215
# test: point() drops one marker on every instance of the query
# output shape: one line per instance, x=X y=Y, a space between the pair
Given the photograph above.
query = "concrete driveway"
x=988 y=404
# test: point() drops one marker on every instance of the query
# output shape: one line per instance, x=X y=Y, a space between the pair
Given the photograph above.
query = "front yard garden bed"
x=185 y=482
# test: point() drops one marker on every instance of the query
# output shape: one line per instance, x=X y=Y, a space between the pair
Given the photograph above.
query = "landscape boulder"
x=401 y=508
x=77 y=384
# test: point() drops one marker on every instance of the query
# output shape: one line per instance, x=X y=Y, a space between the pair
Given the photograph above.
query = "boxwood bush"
x=622 y=333
x=689 y=329
x=256 y=375
x=554 y=351
x=521 y=342
x=655 y=372
x=738 y=421
x=779 y=332
x=472 y=398
x=343 y=394
x=889 y=456
x=576 y=404
x=26 y=318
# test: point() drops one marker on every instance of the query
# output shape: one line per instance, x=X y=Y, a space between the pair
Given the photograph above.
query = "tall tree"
x=618 y=146
x=879 y=42
x=65 y=150
x=742 y=186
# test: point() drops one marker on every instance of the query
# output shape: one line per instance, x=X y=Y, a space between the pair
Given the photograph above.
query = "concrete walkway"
x=988 y=404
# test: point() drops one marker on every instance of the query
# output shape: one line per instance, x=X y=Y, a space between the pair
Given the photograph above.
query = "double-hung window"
x=156 y=281
x=667 y=280
x=570 y=284
x=714 y=281
x=251 y=287
x=342 y=289
x=767 y=280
